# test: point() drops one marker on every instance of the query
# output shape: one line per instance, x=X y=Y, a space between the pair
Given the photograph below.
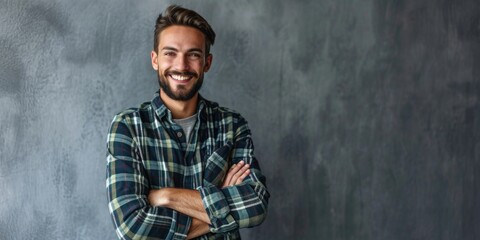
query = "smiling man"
x=180 y=166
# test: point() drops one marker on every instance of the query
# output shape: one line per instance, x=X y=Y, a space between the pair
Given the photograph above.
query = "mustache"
x=185 y=73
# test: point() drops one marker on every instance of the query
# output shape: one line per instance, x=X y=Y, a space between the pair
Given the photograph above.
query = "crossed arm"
x=230 y=203
x=189 y=201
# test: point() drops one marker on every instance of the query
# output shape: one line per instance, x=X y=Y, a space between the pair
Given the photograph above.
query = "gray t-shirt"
x=187 y=125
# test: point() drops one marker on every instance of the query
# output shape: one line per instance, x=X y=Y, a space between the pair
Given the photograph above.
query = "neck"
x=180 y=109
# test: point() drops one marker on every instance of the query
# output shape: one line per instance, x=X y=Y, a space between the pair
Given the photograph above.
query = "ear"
x=154 y=57
x=208 y=63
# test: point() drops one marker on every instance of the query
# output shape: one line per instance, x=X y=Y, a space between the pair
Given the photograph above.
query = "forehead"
x=181 y=37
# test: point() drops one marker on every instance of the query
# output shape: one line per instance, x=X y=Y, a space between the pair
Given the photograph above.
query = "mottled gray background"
x=365 y=114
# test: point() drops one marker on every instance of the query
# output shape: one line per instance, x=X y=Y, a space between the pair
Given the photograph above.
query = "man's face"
x=181 y=62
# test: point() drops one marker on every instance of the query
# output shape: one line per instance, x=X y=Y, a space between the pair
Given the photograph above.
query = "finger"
x=230 y=175
x=238 y=174
x=237 y=177
x=227 y=179
x=235 y=168
x=233 y=172
x=243 y=176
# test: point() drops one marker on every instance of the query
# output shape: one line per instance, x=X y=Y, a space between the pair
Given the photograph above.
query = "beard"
x=182 y=93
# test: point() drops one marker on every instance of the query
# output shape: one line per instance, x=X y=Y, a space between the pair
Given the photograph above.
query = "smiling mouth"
x=179 y=77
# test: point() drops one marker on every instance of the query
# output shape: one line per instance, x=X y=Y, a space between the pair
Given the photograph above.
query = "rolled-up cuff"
x=217 y=209
x=183 y=226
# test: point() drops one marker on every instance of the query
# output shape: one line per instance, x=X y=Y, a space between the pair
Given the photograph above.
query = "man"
x=180 y=166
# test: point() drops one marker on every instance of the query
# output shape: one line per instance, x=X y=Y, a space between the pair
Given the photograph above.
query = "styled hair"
x=176 y=15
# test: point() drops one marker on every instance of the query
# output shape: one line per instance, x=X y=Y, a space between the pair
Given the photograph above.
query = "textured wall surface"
x=365 y=114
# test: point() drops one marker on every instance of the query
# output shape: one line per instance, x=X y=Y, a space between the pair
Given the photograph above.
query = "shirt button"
x=179 y=134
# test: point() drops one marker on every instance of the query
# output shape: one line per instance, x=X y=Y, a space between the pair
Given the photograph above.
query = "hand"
x=197 y=228
x=236 y=174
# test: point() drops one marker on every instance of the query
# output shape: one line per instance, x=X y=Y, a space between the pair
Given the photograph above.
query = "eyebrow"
x=176 y=50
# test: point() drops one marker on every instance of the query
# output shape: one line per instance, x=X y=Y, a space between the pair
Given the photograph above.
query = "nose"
x=181 y=63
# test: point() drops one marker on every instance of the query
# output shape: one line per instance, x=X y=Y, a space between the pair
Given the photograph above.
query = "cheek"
x=199 y=66
x=164 y=65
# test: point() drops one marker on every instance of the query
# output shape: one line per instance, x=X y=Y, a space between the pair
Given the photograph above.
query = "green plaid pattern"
x=147 y=150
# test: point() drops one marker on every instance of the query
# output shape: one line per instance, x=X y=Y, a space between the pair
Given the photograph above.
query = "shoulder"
x=134 y=116
x=220 y=113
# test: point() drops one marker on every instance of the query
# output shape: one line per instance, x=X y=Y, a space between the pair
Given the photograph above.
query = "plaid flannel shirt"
x=147 y=150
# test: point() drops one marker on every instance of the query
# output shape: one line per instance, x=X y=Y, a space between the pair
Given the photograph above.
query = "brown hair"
x=176 y=15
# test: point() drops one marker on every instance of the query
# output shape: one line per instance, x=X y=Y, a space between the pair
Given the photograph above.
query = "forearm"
x=132 y=215
x=186 y=201
x=149 y=222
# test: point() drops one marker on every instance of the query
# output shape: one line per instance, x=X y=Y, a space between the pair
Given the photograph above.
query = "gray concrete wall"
x=365 y=114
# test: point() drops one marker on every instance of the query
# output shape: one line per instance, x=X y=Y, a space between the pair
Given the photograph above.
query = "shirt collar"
x=161 y=110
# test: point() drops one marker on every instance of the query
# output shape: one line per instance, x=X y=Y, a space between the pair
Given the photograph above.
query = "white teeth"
x=180 y=77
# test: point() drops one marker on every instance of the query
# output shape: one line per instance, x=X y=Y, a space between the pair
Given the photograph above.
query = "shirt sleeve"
x=243 y=205
x=127 y=189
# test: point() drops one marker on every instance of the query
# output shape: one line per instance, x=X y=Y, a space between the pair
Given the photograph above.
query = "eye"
x=195 y=55
x=169 y=54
